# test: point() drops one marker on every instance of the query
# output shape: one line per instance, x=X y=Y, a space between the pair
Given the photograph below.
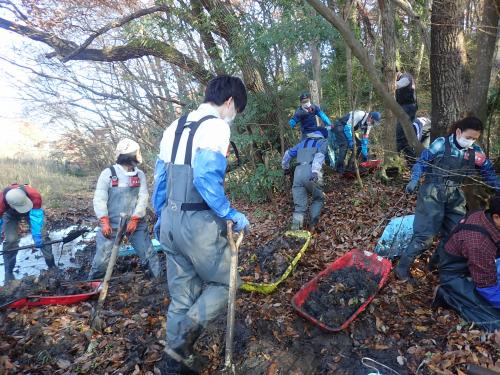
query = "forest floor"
x=399 y=332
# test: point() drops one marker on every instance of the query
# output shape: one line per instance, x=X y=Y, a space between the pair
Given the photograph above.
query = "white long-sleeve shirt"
x=104 y=184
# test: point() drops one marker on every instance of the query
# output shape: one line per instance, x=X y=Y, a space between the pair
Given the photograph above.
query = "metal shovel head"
x=74 y=234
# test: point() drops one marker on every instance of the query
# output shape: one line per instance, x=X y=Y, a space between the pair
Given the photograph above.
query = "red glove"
x=132 y=224
x=105 y=226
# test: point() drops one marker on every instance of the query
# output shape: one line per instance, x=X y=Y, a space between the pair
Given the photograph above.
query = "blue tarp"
x=396 y=237
x=126 y=250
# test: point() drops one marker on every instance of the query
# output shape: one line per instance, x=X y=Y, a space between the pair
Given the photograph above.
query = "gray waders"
x=123 y=200
x=302 y=187
x=440 y=206
x=198 y=254
x=11 y=219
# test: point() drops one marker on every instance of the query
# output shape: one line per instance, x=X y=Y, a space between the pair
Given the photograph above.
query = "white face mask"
x=229 y=117
x=306 y=106
x=464 y=142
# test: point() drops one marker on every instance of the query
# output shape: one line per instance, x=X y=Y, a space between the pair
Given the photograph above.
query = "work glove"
x=37 y=239
x=314 y=177
x=412 y=186
x=240 y=221
x=132 y=224
x=105 y=226
x=350 y=144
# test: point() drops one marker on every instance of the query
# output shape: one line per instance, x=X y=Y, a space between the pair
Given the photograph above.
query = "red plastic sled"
x=365 y=168
x=32 y=301
x=360 y=259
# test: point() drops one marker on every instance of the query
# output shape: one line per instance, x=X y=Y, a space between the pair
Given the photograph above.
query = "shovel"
x=69 y=237
x=233 y=278
x=97 y=323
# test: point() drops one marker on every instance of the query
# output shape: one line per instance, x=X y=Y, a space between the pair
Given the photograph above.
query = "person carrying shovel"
x=17 y=203
x=122 y=188
x=192 y=207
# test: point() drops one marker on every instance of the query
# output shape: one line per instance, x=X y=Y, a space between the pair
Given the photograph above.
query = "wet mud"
x=269 y=261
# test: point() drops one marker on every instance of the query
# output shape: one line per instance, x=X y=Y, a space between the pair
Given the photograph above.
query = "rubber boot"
x=9 y=276
x=402 y=270
x=51 y=263
x=183 y=351
x=172 y=367
x=297 y=221
x=433 y=262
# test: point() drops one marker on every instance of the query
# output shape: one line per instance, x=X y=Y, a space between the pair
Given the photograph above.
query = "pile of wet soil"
x=340 y=294
x=47 y=284
x=268 y=262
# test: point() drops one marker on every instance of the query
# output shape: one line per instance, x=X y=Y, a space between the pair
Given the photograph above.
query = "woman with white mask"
x=122 y=188
x=441 y=203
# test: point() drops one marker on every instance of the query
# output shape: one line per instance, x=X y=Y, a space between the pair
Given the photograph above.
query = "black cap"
x=495 y=205
x=304 y=96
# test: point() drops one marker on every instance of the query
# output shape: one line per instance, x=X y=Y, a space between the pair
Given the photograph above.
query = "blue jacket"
x=437 y=148
x=307 y=118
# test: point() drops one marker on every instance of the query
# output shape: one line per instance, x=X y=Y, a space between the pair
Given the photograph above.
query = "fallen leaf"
x=63 y=363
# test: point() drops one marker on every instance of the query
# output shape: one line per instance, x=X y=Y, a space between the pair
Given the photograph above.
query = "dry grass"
x=55 y=185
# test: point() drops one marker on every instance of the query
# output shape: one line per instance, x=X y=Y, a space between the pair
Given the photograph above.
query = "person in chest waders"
x=306 y=115
x=122 y=188
x=17 y=203
x=192 y=210
x=308 y=177
x=441 y=203
x=469 y=268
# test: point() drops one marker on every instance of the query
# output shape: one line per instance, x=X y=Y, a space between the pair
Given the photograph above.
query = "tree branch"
x=360 y=52
x=406 y=6
x=113 y=25
x=132 y=50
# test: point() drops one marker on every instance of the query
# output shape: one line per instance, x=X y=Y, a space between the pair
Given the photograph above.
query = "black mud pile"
x=268 y=262
x=340 y=294
x=47 y=284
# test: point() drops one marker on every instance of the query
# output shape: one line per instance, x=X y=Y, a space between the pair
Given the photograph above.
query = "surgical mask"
x=229 y=119
x=464 y=142
x=306 y=106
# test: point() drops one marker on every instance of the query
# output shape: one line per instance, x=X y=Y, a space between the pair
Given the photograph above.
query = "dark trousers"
x=401 y=141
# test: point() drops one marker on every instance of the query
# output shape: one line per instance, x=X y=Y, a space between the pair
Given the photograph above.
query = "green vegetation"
x=54 y=183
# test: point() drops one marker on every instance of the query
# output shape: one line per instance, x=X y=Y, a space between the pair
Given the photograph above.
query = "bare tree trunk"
x=483 y=63
x=389 y=68
x=316 y=68
x=447 y=62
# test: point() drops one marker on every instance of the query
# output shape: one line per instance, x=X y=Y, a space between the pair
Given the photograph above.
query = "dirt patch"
x=340 y=294
x=268 y=262
x=44 y=285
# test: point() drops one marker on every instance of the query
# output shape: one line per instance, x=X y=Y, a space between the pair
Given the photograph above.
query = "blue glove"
x=350 y=144
x=240 y=221
x=37 y=239
x=314 y=177
x=412 y=186
x=364 y=148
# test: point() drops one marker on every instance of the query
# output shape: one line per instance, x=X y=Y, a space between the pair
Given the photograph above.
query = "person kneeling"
x=469 y=268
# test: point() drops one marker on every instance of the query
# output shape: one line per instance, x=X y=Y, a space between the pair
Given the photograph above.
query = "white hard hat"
x=18 y=200
x=128 y=146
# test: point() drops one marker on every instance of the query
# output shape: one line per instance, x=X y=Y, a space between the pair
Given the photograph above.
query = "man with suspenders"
x=19 y=202
x=192 y=208
x=308 y=178
x=469 y=268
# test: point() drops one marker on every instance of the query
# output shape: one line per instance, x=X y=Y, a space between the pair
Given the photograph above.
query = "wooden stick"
x=96 y=321
x=233 y=278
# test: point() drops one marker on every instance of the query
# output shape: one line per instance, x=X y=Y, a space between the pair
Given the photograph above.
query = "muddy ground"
x=268 y=262
x=399 y=328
